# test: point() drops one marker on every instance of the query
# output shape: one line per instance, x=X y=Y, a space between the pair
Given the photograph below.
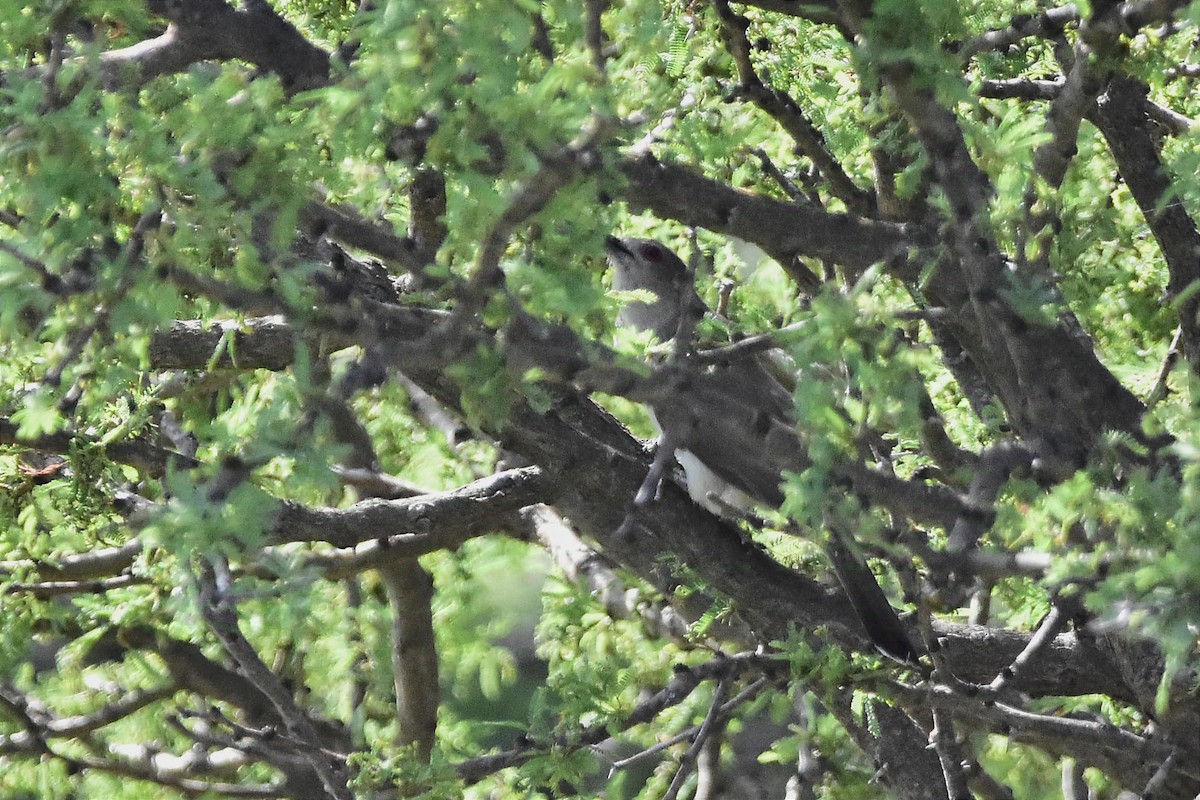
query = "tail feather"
x=880 y=620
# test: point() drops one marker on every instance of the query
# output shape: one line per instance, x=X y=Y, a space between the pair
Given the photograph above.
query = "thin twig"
x=1161 y=390
x=723 y=712
x=48 y=278
x=664 y=456
x=743 y=348
x=1051 y=626
x=217 y=607
x=130 y=254
x=787 y=112
x=942 y=740
x=688 y=761
x=685 y=681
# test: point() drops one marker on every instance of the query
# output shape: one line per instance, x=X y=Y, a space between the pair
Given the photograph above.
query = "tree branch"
x=443 y=519
x=787 y=112
x=785 y=231
x=216 y=604
x=1121 y=116
x=212 y=29
x=414 y=653
x=138 y=452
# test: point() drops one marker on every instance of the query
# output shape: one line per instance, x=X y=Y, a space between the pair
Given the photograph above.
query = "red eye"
x=651 y=252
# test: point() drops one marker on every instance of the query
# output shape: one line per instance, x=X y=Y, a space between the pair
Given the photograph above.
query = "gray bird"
x=729 y=424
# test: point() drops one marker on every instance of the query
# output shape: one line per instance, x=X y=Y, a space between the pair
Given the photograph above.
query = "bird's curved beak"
x=614 y=246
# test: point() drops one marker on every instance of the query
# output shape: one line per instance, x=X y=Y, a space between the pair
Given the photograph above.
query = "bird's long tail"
x=881 y=621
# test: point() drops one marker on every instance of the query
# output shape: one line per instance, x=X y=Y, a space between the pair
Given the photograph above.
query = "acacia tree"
x=308 y=362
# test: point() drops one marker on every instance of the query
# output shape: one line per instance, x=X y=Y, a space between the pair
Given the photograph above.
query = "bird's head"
x=648 y=265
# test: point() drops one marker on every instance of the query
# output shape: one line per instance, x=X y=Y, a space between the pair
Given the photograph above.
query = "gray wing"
x=725 y=416
x=738 y=421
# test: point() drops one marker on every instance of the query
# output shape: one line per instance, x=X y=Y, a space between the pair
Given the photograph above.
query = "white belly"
x=703 y=485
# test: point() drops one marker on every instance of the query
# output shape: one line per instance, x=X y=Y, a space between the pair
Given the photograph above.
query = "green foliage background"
x=213 y=145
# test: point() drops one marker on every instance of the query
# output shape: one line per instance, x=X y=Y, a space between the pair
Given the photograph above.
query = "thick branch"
x=1121 y=116
x=349 y=227
x=784 y=230
x=212 y=29
x=821 y=11
x=1032 y=364
x=446 y=517
x=1046 y=25
x=94 y=564
x=598 y=468
x=1128 y=757
x=414 y=653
